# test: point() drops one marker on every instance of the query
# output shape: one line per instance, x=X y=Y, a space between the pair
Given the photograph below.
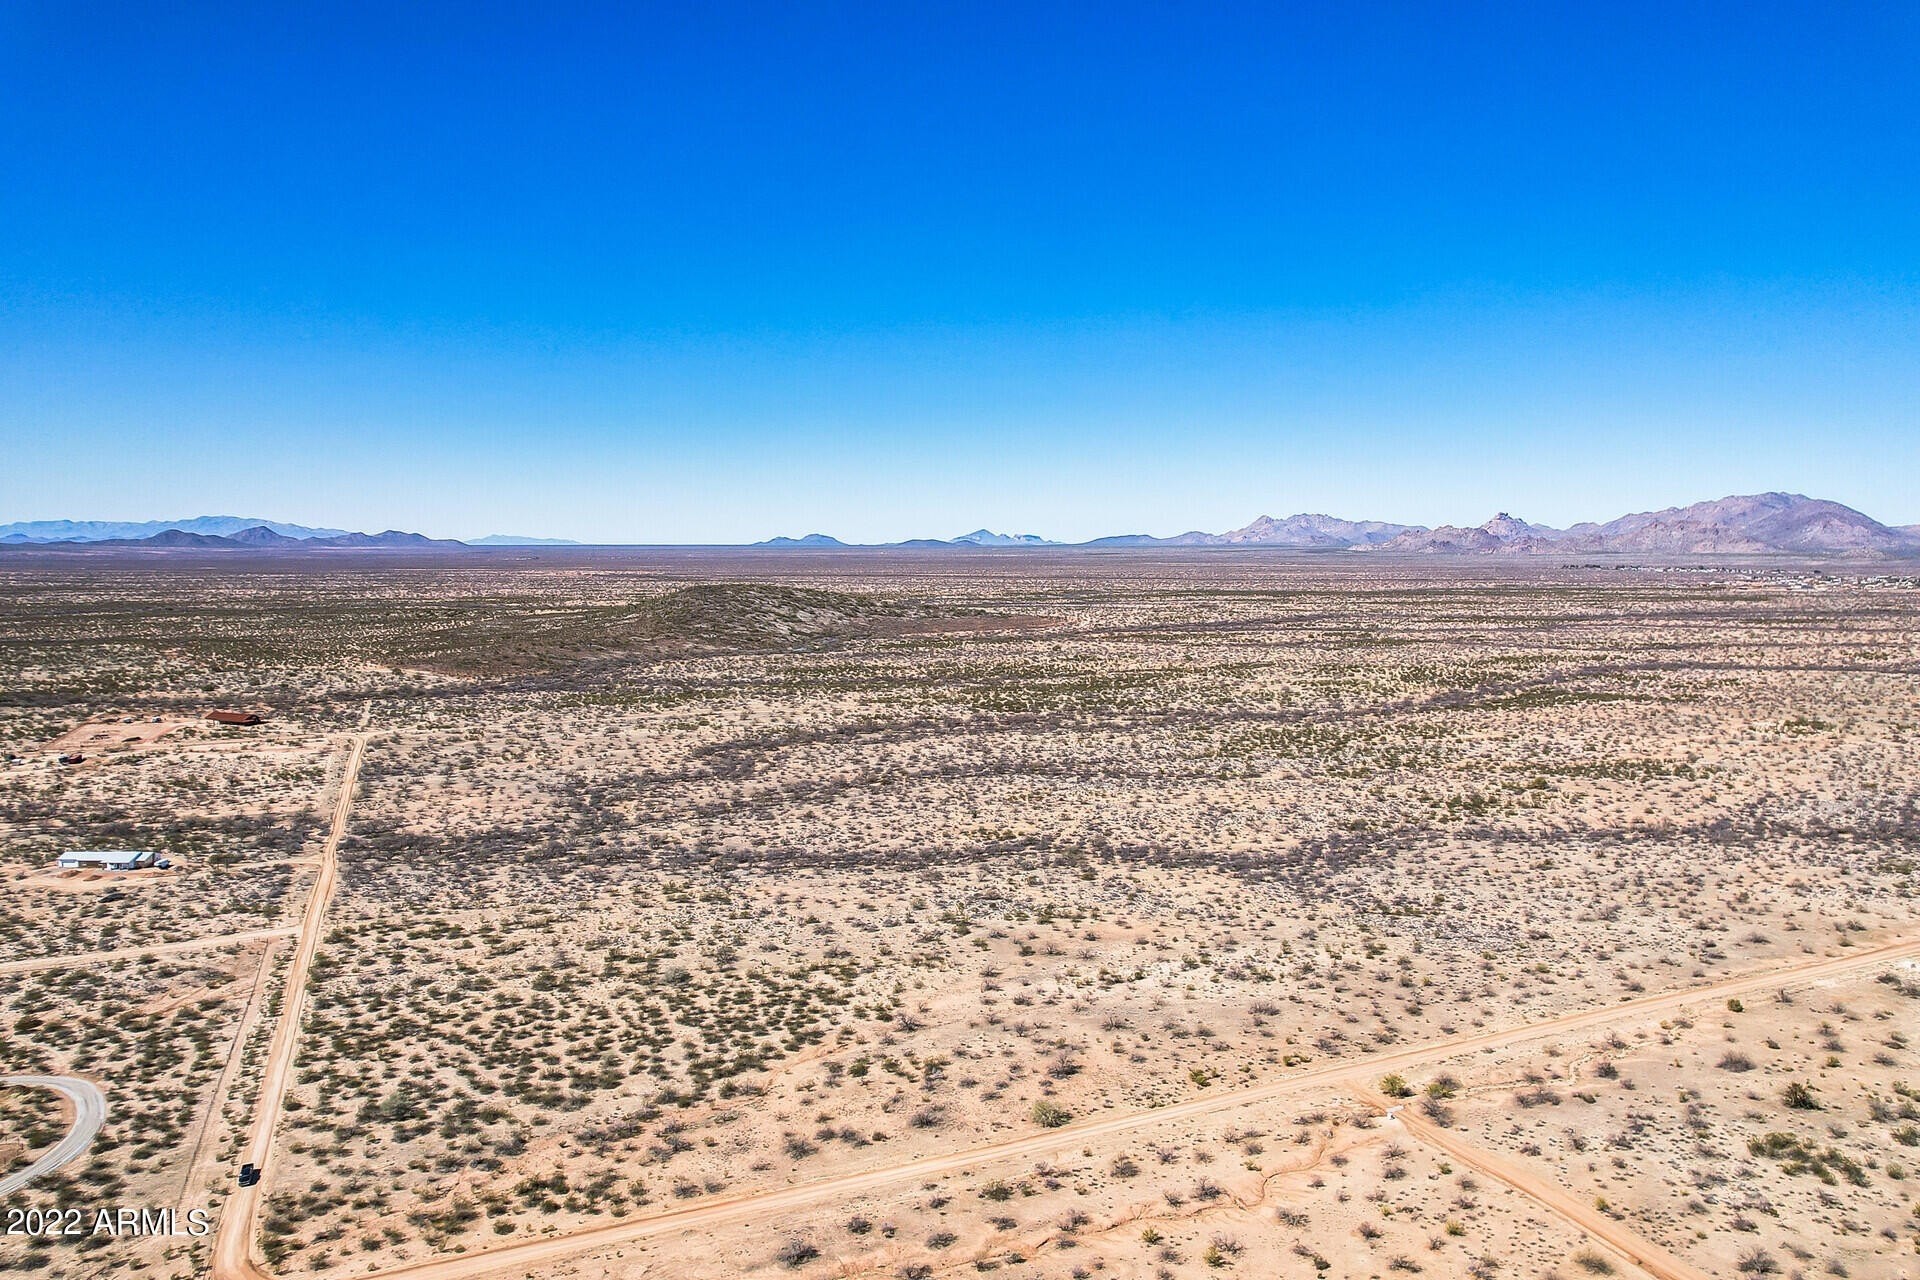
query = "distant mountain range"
x=809 y=540
x=1756 y=524
x=1306 y=532
x=264 y=536
x=121 y=530
x=978 y=538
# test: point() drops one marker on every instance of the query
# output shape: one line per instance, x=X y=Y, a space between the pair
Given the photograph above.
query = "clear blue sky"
x=710 y=272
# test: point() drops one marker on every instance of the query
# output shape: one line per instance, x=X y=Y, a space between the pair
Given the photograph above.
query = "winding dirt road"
x=233 y=1242
x=525 y=1255
x=89 y=1113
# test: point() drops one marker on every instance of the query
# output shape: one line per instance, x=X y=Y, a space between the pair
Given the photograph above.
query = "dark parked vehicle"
x=249 y=1174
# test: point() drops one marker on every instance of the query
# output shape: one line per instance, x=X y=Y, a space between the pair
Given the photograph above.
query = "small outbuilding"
x=108 y=859
x=235 y=717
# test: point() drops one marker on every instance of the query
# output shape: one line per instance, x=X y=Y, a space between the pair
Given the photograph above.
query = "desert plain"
x=822 y=914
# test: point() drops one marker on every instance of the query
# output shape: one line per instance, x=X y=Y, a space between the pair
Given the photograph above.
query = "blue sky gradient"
x=659 y=274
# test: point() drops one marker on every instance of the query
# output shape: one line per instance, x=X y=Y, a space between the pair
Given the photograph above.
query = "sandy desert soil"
x=688 y=908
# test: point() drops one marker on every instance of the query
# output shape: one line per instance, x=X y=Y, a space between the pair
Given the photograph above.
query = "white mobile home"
x=109 y=859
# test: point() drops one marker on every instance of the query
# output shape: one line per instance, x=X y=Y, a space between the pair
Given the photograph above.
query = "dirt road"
x=199 y=1171
x=233 y=1242
x=1058 y=1142
x=89 y=1113
x=1642 y=1253
x=84 y=958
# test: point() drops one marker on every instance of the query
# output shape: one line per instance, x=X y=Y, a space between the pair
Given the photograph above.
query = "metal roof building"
x=109 y=859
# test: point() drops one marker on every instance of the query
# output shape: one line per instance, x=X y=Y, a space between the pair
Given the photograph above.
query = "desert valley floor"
x=1042 y=915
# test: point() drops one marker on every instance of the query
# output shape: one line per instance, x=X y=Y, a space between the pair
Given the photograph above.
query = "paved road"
x=89 y=1113
x=84 y=958
x=1053 y=1143
x=233 y=1242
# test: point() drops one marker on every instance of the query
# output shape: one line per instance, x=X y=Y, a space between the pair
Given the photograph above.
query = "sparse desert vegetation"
x=1024 y=885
